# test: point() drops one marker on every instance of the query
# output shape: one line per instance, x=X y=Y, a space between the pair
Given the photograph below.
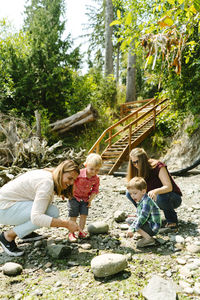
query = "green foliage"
x=38 y=64
x=167 y=123
x=194 y=127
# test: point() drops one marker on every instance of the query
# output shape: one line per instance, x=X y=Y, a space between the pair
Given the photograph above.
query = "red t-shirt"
x=84 y=186
x=153 y=181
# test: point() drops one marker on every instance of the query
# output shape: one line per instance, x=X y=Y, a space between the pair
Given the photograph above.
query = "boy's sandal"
x=171 y=225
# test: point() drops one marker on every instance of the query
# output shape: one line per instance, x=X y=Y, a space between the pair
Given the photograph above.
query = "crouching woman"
x=25 y=202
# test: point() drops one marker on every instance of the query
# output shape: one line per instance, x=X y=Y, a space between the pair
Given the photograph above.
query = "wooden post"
x=97 y=148
x=110 y=135
x=129 y=140
x=154 y=115
x=136 y=124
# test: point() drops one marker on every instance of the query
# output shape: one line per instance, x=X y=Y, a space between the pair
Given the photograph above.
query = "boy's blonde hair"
x=137 y=183
x=93 y=159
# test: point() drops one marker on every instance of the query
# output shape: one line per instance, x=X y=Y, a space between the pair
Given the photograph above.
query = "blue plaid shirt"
x=147 y=211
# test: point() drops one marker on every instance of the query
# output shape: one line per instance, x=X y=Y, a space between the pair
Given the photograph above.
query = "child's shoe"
x=83 y=235
x=72 y=238
x=146 y=242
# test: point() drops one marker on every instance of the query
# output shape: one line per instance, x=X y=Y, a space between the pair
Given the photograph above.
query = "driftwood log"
x=19 y=147
x=84 y=116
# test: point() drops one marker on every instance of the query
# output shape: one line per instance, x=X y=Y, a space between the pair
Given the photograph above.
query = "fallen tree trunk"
x=87 y=115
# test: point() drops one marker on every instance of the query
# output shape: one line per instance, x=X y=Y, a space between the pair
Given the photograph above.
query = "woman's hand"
x=73 y=226
x=152 y=194
x=129 y=234
x=166 y=182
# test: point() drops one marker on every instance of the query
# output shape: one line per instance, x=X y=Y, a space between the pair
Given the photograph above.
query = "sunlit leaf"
x=187 y=59
x=197 y=5
x=180 y=1
x=128 y=19
x=149 y=59
x=171 y=1
x=192 y=43
x=165 y=21
x=193 y=9
x=115 y=22
x=118 y=14
x=123 y=45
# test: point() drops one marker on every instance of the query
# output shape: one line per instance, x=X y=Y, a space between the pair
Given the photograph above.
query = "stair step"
x=116 y=153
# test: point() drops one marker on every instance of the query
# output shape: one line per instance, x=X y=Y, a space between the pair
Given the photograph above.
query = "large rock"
x=119 y=216
x=108 y=264
x=59 y=251
x=98 y=227
x=193 y=248
x=12 y=269
x=158 y=288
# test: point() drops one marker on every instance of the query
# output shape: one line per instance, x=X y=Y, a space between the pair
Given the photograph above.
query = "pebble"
x=86 y=246
x=181 y=261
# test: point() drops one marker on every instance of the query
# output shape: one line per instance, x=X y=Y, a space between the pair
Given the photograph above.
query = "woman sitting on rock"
x=160 y=185
x=25 y=202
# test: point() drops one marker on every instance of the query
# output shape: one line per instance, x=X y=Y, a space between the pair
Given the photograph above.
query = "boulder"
x=119 y=216
x=108 y=264
x=58 y=251
x=160 y=288
x=98 y=227
x=12 y=269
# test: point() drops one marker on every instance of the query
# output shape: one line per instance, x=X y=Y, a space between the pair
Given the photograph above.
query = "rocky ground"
x=176 y=255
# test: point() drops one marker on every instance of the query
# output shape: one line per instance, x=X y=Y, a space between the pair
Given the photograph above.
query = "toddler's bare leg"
x=73 y=219
x=82 y=221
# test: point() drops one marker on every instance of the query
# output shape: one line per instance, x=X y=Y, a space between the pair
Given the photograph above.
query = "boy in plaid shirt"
x=148 y=220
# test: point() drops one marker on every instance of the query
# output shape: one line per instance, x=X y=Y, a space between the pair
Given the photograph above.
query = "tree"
x=108 y=38
x=42 y=76
x=131 y=75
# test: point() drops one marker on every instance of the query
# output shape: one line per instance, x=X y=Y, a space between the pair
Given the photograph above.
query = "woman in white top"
x=25 y=202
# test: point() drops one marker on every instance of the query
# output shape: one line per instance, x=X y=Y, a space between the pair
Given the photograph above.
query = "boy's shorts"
x=77 y=208
x=144 y=227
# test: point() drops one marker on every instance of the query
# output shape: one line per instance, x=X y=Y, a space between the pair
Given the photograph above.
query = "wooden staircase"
x=127 y=134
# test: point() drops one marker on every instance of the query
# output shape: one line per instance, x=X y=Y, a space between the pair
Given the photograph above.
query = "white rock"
x=179 y=239
x=98 y=227
x=108 y=264
x=181 y=261
x=12 y=269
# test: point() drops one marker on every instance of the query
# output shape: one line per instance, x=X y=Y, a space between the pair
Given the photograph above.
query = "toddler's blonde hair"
x=137 y=183
x=93 y=159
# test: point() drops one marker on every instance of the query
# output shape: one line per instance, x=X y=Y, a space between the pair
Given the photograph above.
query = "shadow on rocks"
x=123 y=275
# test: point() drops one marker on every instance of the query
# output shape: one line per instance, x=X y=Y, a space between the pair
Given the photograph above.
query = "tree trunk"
x=108 y=38
x=117 y=64
x=38 y=124
x=89 y=114
x=131 y=76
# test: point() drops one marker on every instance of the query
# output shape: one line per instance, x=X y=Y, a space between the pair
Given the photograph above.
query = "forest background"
x=136 y=50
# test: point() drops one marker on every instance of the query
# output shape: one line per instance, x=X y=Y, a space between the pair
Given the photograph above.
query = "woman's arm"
x=166 y=182
x=70 y=225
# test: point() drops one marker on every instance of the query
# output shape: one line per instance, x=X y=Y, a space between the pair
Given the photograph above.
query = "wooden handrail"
x=136 y=120
x=130 y=116
x=128 y=106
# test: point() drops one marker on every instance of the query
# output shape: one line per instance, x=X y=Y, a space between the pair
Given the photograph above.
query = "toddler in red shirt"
x=86 y=187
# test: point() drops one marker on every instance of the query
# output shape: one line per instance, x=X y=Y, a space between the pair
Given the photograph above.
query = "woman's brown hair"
x=145 y=165
x=57 y=173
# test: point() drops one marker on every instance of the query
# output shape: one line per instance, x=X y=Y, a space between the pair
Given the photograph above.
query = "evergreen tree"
x=43 y=75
